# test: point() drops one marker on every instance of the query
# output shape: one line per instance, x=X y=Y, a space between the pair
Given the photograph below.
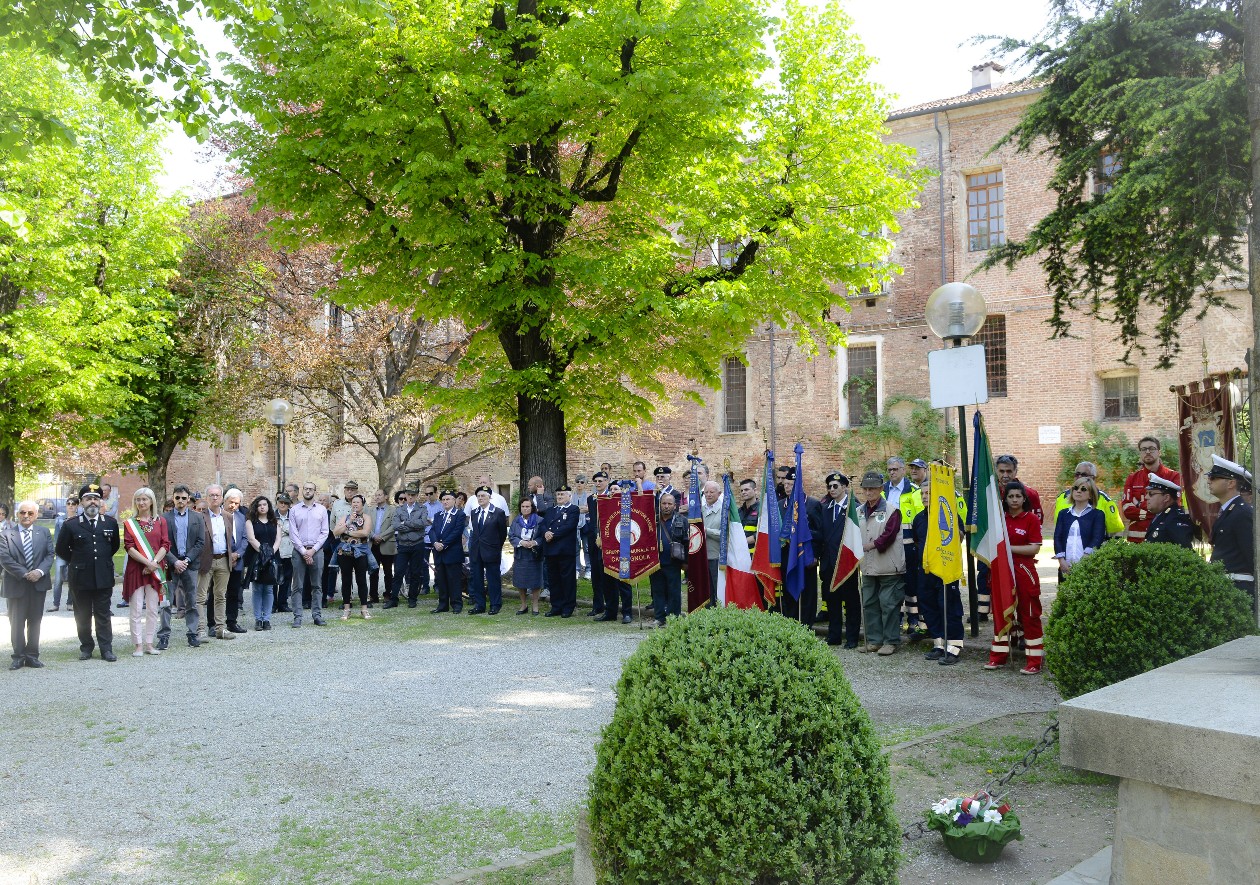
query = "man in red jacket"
x=1137 y=518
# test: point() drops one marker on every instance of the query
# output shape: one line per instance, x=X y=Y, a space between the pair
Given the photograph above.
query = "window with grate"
x=1105 y=173
x=993 y=336
x=986 y=211
x=734 y=395
x=232 y=442
x=728 y=253
x=1120 y=397
x=862 y=386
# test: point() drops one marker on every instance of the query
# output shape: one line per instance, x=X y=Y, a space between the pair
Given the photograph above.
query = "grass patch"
x=373 y=838
x=554 y=870
x=891 y=735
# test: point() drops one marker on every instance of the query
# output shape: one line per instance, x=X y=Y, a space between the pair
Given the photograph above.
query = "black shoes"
x=595 y=613
x=236 y=628
x=36 y=663
x=440 y=609
x=477 y=611
x=85 y=656
x=567 y=615
x=495 y=609
x=850 y=645
x=163 y=644
x=626 y=619
x=948 y=660
x=109 y=656
x=934 y=655
x=319 y=622
x=605 y=617
x=389 y=603
x=194 y=642
x=552 y=614
x=411 y=603
x=18 y=664
x=523 y=611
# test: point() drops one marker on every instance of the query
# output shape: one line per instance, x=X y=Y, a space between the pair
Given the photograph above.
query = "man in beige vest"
x=883 y=568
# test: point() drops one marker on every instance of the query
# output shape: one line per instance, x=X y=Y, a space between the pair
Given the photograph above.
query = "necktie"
x=29 y=548
x=481 y=520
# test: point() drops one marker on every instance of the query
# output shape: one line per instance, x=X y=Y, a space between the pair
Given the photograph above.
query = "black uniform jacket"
x=89 y=551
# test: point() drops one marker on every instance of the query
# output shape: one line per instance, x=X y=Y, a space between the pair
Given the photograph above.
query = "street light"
x=278 y=412
x=956 y=311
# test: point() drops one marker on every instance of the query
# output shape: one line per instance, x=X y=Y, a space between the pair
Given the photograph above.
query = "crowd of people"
x=193 y=560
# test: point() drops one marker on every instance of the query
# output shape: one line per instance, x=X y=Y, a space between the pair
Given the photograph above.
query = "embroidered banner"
x=1205 y=422
x=627 y=533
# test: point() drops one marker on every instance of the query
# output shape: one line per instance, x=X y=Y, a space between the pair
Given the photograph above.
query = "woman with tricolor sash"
x=147 y=541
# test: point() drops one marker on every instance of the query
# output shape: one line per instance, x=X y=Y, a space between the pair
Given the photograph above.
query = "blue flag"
x=800 y=539
x=693 y=491
x=771 y=508
x=725 y=531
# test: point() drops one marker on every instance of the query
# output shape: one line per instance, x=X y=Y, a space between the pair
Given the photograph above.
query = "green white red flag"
x=991 y=543
x=850 y=544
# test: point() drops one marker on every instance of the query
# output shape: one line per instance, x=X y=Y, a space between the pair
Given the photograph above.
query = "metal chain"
x=1049 y=738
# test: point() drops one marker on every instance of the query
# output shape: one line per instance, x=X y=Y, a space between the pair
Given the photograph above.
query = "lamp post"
x=956 y=311
x=278 y=412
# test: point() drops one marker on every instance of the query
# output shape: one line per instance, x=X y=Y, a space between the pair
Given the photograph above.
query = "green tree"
x=1147 y=99
x=202 y=381
x=563 y=172
x=81 y=295
x=919 y=433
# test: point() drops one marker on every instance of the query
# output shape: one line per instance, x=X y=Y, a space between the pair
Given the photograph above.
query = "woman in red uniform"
x=146 y=541
x=1024 y=530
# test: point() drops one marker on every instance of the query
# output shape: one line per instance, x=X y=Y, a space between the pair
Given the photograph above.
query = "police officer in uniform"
x=88 y=545
x=1232 y=542
x=1170 y=523
x=560 y=532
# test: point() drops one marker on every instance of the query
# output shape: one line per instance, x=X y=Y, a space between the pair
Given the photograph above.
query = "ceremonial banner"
x=696 y=572
x=942 y=552
x=1205 y=422
x=800 y=540
x=992 y=545
x=737 y=585
x=627 y=534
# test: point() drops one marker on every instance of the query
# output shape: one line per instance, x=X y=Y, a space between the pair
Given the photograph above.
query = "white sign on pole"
x=956 y=376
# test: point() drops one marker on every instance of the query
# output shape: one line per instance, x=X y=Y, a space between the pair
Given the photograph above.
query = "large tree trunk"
x=540 y=425
x=156 y=465
x=390 y=468
x=8 y=478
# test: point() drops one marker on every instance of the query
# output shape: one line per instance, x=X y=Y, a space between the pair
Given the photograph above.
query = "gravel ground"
x=400 y=749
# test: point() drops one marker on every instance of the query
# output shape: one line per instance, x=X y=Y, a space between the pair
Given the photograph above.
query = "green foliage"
x=555 y=176
x=1110 y=450
x=82 y=296
x=920 y=434
x=1160 y=84
x=1129 y=608
x=738 y=753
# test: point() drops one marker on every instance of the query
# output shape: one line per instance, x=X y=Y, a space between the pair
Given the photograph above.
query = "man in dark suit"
x=26 y=555
x=559 y=526
x=844 y=604
x=188 y=539
x=446 y=535
x=1168 y=524
x=232 y=501
x=806 y=608
x=411 y=525
x=590 y=532
x=485 y=554
x=1232 y=543
x=88 y=544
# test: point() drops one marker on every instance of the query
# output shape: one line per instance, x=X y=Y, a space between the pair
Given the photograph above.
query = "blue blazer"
x=1093 y=529
x=448 y=527
x=562 y=523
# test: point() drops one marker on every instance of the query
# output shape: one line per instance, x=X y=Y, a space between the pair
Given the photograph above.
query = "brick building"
x=1040 y=390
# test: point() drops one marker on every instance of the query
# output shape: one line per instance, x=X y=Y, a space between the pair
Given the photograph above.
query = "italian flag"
x=991 y=544
x=769 y=574
x=736 y=583
x=850 y=545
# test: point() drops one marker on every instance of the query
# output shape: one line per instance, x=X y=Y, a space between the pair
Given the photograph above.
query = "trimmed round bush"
x=1130 y=608
x=739 y=754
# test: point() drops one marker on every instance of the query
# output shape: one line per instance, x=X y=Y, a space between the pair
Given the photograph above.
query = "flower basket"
x=975 y=828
